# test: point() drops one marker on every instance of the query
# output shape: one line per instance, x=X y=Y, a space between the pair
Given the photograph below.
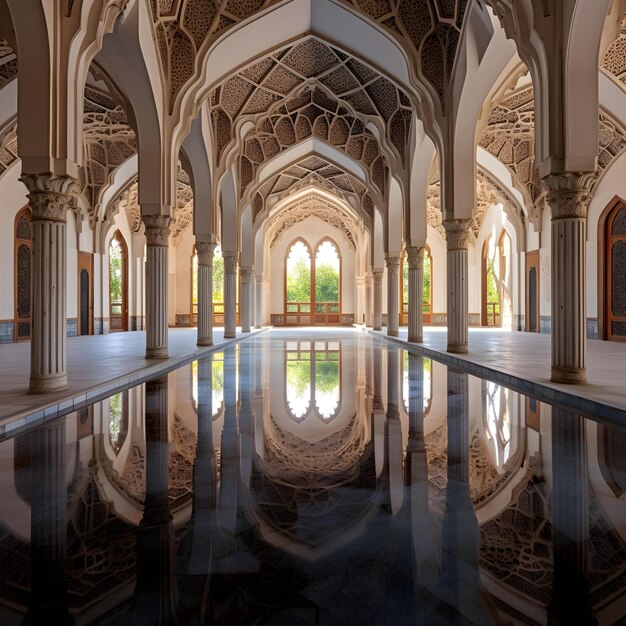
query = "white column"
x=258 y=309
x=205 y=292
x=415 y=257
x=253 y=299
x=568 y=197
x=458 y=316
x=378 y=300
x=230 y=294
x=369 y=287
x=157 y=236
x=50 y=197
x=359 y=313
x=393 y=295
x=246 y=298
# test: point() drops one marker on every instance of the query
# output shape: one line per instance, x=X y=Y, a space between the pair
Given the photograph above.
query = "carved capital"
x=378 y=277
x=415 y=257
x=457 y=233
x=246 y=274
x=157 y=229
x=568 y=194
x=231 y=260
x=205 y=252
x=393 y=264
x=49 y=196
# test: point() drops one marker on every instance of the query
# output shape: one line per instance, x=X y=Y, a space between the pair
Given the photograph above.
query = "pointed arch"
x=427 y=291
x=298 y=283
x=327 y=284
x=118 y=283
x=491 y=293
x=22 y=271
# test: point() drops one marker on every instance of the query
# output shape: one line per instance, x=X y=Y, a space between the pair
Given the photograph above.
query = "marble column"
x=157 y=236
x=393 y=295
x=457 y=305
x=415 y=257
x=48 y=602
x=570 y=602
x=369 y=287
x=568 y=196
x=258 y=308
x=378 y=300
x=253 y=300
x=246 y=274
x=393 y=431
x=231 y=260
x=50 y=197
x=205 y=293
x=359 y=314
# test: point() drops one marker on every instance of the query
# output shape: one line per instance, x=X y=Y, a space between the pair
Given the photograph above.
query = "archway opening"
x=298 y=283
x=491 y=291
x=118 y=283
x=23 y=260
x=327 y=280
x=615 y=273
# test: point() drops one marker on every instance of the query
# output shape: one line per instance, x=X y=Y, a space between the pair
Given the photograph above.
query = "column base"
x=229 y=335
x=48 y=384
x=569 y=376
x=245 y=330
x=416 y=339
x=157 y=353
x=377 y=327
x=258 y=327
x=204 y=342
x=458 y=348
x=392 y=333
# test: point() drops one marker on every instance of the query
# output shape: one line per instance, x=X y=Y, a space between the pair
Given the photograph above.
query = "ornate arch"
x=22 y=272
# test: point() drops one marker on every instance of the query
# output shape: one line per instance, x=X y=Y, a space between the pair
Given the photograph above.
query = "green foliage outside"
x=299 y=373
x=326 y=283
x=427 y=283
x=218 y=279
x=299 y=282
x=405 y=280
x=218 y=375
x=326 y=376
x=493 y=295
x=115 y=420
x=115 y=273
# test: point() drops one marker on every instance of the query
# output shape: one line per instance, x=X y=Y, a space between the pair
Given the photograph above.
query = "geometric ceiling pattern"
x=8 y=63
x=428 y=30
x=312 y=171
x=614 y=59
x=8 y=146
x=312 y=113
x=256 y=89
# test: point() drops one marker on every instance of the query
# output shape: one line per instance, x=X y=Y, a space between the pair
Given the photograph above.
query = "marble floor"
x=314 y=477
x=96 y=365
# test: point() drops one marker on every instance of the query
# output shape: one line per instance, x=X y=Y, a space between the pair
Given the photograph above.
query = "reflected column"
x=246 y=412
x=459 y=583
x=393 y=295
x=48 y=596
x=415 y=258
x=230 y=294
x=378 y=300
x=570 y=521
x=156 y=589
x=393 y=431
x=205 y=292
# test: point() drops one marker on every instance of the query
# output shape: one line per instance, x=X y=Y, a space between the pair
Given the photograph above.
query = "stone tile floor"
x=522 y=360
x=96 y=365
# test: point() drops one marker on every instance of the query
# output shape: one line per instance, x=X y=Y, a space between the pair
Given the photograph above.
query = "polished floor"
x=314 y=477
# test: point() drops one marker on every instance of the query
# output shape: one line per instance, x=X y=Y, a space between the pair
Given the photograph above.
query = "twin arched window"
x=313 y=284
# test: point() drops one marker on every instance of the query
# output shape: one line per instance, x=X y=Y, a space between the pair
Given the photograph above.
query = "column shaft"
x=457 y=309
x=393 y=295
x=568 y=196
x=378 y=300
x=50 y=198
x=258 y=309
x=157 y=236
x=246 y=298
x=230 y=294
x=205 y=293
x=416 y=287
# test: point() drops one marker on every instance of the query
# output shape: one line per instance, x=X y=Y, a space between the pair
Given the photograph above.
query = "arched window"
x=505 y=279
x=217 y=384
x=23 y=258
x=491 y=313
x=404 y=295
x=194 y=287
x=327 y=281
x=298 y=284
x=427 y=295
x=118 y=283
x=118 y=420
x=427 y=382
x=497 y=421
x=313 y=379
x=218 y=287
x=615 y=274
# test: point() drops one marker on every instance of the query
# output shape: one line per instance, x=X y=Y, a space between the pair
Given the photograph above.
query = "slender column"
x=393 y=295
x=359 y=314
x=415 y=257
x=258 y=309
x=369 y=285
x=378 y=299
x=252 y=299
x=568 y=197
x=205 y=293
x=458 y=316
x=393 y=432
x=157 y=236
x=50 y=197
x=246 y=297
x=230 y=294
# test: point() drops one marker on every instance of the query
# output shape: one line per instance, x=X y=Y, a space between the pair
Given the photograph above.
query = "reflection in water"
x=286 y=481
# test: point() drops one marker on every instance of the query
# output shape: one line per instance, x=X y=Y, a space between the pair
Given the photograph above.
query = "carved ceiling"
x=312 y=206
x=312 y=113
x=614 y=60
x=256 y=89
x=312 y=171
x=510 y=136
x=8 y=146
x=8 y=63
x=428 y=30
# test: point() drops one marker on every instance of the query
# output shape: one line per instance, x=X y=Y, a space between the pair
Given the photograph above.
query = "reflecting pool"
x=314 y=477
